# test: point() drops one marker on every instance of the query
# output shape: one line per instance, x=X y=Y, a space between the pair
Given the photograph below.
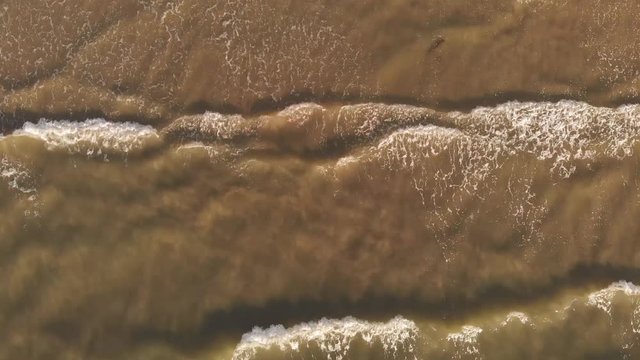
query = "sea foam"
x=93 y=136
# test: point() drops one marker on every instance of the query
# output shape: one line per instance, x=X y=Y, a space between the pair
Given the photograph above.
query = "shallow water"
x=319 y=180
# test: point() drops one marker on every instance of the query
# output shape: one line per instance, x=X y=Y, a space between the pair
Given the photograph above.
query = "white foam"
x=516 y=316
x=333 y=337
x=368 y=118
x=216 y=153
x=562 y=135
x=563 y=132
x=466 y=341
x=603 y=299
x=347 y=161
x=17 y=176
x=222 y=125
x=302 y=111
x=93 y=136
x=428 y=140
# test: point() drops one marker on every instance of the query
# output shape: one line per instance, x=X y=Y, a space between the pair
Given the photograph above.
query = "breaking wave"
x=92 y=137
x=496 y=336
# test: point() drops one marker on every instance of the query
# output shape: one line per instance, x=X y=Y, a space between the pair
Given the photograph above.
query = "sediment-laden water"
x=115 y=233
x=319 y=179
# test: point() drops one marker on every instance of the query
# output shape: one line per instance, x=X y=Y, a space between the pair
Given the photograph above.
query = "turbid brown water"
x=355 y=179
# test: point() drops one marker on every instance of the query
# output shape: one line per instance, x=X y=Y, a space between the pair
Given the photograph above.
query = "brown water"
x=319 y=179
